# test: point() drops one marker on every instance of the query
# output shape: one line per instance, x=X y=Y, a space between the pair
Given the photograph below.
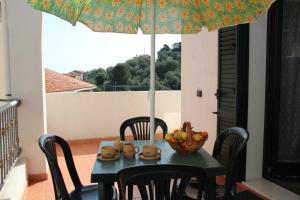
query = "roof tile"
x=56 y=82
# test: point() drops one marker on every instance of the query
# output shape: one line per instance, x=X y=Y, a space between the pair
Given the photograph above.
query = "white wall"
x=100 y=114
x=199 y=68
x=25 y=26
x=4 y=56
x=256 y=103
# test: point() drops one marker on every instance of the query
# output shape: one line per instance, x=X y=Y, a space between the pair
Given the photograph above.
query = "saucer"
x=99 y=157
x=149 y=158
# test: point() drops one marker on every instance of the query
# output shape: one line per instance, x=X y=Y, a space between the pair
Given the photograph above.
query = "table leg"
x=105 y=191
x=210 y=188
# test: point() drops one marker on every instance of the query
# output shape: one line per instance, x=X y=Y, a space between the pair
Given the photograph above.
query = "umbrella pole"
x=152 y=73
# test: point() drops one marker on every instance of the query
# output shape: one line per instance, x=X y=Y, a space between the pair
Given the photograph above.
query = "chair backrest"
x=228 y=150
x=140 y=127
x=48 y=144
x=164 y=182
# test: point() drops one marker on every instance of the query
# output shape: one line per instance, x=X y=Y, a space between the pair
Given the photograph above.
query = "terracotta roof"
x=56 y=82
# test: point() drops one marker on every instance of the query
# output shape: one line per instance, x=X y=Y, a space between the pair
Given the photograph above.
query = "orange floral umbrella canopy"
x=172 y=16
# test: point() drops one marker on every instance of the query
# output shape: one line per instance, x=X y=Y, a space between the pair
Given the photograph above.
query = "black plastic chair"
x=140 y=127
x=228 y=150
x=164 y=182
x=48 y=144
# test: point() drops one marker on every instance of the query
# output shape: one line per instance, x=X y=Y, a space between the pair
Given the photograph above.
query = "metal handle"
x=218 y=93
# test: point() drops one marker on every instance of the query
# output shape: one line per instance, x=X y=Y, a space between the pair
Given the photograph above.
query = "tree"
x=172 y=80
x=164 y=66
x=177 y=47
x=119 y=77
x=134 y=74
x=100 y=80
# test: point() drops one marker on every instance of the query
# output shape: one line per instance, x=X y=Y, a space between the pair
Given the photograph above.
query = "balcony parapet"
x=9 y=137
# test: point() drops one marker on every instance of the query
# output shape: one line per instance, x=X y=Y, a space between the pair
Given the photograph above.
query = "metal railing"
x=9 y=138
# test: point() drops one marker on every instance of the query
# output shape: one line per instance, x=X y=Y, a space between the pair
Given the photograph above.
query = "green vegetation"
x=134 y=74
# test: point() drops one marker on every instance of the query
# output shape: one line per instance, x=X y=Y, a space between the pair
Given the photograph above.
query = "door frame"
x=242 y=84
x=242 y=90
x=272 y=77
x=242 y=75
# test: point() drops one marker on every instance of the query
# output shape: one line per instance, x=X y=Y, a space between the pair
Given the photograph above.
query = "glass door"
x=289 y=106
x=282 y=139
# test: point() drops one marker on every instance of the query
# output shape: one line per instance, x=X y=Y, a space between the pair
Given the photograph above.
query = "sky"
x=67 y=47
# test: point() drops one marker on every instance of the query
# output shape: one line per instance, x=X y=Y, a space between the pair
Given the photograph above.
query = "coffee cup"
x=109 y=152
x=119 y=145
x=150 y=150
x=129 y=150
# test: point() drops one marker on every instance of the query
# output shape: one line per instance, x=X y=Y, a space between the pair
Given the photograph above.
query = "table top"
x=106 y=171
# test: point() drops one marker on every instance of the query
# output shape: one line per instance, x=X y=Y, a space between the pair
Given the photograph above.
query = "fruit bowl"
x=186 y=141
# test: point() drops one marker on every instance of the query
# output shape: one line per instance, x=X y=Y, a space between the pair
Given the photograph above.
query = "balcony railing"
x=9 y=138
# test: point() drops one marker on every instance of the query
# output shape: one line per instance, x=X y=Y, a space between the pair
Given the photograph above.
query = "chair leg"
x=130 y=192
x=210 y=188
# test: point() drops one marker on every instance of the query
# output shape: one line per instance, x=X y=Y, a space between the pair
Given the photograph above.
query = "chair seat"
x=89 y=192
x=192 y=191
x=220 y=191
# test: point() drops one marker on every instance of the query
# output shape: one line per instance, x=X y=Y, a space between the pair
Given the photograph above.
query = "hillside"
x=134 y=74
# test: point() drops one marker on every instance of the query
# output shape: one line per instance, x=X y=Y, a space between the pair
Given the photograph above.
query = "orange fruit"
x=204 y=134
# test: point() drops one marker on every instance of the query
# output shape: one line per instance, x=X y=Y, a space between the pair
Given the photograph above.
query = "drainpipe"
x=5 y=83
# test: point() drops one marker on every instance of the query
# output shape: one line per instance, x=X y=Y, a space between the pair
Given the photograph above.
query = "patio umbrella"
x=154 y=17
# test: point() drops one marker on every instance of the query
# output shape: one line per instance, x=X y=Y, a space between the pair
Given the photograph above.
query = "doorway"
x=282 y=125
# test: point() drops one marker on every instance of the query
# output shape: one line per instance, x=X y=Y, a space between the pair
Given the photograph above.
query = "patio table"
x=105 y=172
